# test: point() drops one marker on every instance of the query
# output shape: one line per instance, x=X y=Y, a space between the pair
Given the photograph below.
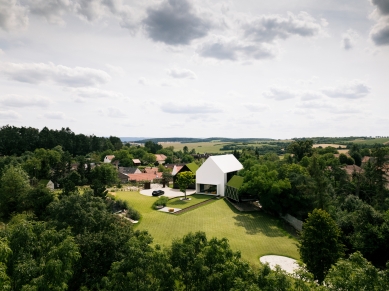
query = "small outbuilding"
x=213 y=175
x=191 y=167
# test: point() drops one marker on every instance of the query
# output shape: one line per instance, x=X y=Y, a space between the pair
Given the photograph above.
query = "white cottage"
x=215 y=172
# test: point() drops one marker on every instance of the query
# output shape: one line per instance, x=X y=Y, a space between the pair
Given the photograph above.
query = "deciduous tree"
x=184 y=180
x=320 y=243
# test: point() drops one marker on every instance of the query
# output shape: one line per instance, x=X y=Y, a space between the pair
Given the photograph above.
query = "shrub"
x=133 y=214
x=161 y=201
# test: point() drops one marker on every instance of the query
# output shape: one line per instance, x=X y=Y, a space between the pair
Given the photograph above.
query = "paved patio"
x=287 y=264
x=169 y=192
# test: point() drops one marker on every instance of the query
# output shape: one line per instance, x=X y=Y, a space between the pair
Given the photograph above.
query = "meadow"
x=255 y=234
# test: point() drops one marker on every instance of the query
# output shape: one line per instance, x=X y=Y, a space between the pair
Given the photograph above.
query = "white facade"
x=108 y=158
x=213 y=172
x=50 y=185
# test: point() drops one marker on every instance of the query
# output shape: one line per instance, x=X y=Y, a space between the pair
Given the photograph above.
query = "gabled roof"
x=236 y=182
x=127 y=170
x=136 y=161
x=227 y=163
x=176 y=169
x=192 y=167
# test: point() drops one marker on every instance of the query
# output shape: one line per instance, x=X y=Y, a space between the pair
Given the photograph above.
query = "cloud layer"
x=39 y=72
x=23 y=101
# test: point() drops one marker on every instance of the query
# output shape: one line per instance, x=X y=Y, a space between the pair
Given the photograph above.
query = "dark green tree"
x=301 y=148
x=142 y=268
x=14 y=186
x=320 y=243
x=41 y=258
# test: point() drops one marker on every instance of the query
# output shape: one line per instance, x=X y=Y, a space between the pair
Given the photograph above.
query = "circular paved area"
x=169 y=192
x=287 y=264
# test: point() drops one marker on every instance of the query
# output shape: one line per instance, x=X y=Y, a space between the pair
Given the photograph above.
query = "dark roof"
x=127 y=170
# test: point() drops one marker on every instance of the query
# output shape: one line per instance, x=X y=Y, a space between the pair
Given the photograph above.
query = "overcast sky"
x=277 y=69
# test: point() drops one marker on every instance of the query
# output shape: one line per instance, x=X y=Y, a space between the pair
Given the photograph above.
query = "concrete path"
x=169 y=192
x=287 y=264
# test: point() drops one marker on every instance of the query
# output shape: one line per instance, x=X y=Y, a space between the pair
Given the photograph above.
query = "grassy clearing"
x=254 y=234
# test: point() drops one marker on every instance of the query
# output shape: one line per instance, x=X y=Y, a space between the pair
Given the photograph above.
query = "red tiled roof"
x=144 y=176
x=110 y=157
x=160 y=157
x=151 y=170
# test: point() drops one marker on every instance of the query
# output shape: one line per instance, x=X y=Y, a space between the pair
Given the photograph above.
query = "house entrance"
x=208 y=189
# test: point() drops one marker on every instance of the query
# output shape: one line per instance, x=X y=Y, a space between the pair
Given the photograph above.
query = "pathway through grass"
x=254 y=234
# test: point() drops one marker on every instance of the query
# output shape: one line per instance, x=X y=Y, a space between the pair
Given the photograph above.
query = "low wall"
x=293 y=221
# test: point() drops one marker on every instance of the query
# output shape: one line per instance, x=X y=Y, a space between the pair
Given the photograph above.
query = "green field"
x=254 y=234
x=371 y=141
x=208 y=147
x=200 y=147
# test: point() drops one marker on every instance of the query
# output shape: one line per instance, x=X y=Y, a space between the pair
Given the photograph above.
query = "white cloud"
x=353 y=90
x=24 y=101
x=96 y=93
x=199 y=107
x=9 y=114
x=13 y=16
x=39 y=72
x=143 y=81
x=52 y=10
x=232 y=49
x=311 y=95
x=54 y=115
x=280 y=93
x=116 y=70
x=256 y=107
x=267 y=28
x=113 y=112
x=181 y=73
x=348 y=39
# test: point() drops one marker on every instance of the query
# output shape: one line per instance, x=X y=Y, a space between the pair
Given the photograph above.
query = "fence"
x=293 y=221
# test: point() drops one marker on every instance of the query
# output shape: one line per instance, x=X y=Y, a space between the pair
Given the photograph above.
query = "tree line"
x=17 y=140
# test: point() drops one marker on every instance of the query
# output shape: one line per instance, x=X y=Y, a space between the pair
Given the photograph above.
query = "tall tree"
x=320 y=243
x=14 y=185
x=184 y=180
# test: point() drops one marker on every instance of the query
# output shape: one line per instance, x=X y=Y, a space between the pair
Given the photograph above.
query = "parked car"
x=158 y=193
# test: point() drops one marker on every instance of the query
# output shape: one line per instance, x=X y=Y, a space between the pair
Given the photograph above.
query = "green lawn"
x=254 y=234
x=194 y=199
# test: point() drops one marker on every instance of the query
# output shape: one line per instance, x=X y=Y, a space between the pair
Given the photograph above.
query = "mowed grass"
x=253 y=233
x=194 y=199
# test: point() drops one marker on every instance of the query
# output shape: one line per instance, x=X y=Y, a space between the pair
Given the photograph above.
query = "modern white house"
x=215 y=172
